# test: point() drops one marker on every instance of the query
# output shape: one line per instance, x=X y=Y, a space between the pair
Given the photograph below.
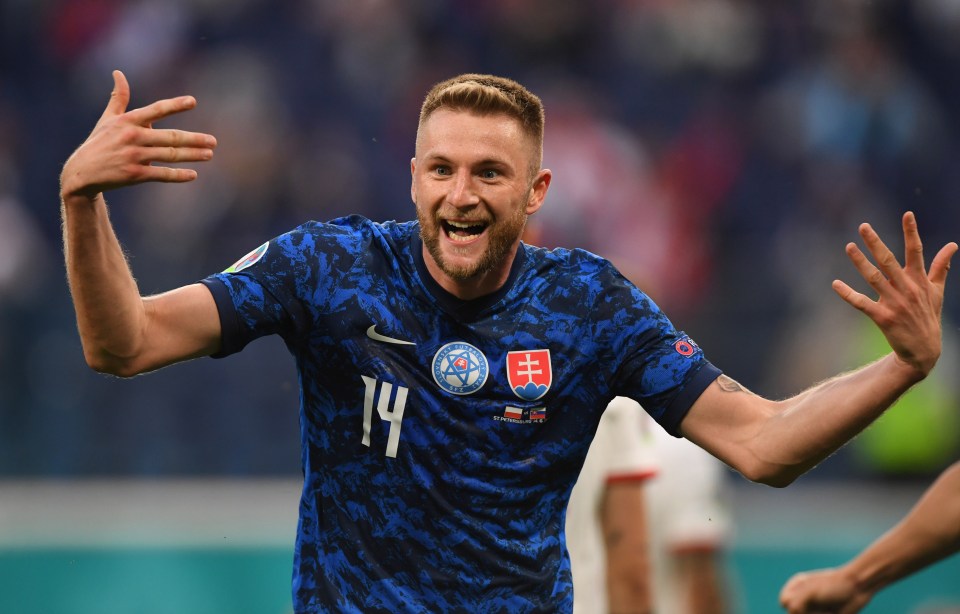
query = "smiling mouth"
x=463 y=231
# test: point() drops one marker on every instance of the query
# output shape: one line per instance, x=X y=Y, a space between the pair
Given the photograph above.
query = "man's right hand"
x=124 y=145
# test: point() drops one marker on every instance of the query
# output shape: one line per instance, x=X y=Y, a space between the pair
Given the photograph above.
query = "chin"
x=461 y=269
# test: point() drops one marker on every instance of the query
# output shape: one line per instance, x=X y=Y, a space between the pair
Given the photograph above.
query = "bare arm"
x=121 y=332
x=626 y=536
x=775 y=442
x=623 y=523
x=702 y=580
x=929 y=533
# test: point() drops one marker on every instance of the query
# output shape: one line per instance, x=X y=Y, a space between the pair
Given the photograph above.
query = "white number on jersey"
x=394 y=416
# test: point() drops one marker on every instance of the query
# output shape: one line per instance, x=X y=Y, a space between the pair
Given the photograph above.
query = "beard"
x=501 y=237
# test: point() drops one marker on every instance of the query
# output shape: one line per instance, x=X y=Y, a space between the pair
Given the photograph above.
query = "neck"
x=476 y=286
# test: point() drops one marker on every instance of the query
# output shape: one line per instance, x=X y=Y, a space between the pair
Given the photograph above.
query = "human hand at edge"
x=910 y=299
x=123 y=146
x=825 y=591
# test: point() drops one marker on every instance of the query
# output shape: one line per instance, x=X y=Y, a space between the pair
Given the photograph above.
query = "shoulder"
x=356 y=226
x=352 y=234
x=570 y=262
x=581 y=273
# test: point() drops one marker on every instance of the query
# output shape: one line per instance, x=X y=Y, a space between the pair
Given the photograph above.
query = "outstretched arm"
x=121 y=332
x=930 y=532
x=776 y=441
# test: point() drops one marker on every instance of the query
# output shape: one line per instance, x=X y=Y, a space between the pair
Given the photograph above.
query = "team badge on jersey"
x=460 y=368
x=249 y=260
x=529 y=373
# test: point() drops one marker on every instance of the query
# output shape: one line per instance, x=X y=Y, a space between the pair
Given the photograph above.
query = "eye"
x=489 y=173
x=442 y=170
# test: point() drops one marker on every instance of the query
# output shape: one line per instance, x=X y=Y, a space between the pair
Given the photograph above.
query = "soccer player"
x=451 y=376
x=929 y=533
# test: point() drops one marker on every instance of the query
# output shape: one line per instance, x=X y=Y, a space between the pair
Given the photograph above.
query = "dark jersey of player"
x=441 y=437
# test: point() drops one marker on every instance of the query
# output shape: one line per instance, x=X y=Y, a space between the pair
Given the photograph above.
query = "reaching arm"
x=929 y=533
x=777 y=441
x=121 y=332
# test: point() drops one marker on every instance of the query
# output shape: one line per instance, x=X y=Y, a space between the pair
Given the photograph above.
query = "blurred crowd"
x=720 y=152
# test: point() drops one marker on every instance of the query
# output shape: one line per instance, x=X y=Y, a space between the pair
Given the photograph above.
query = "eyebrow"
x=499 y=162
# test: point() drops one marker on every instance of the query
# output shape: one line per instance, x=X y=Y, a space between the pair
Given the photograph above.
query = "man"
x=451 y=376
x=929 y=533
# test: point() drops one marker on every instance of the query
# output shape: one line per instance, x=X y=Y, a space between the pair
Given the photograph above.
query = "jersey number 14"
x=382 y=399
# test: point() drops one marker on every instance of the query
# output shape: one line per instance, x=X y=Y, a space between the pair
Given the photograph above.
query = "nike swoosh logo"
x=373 y=334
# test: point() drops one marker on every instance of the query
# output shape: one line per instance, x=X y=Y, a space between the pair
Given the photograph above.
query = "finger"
x=176 y=154
x=884 y=258
x=119 y=97
x=793 y=606
x=787 y=602
x=178 y=138
x=166 y=174
x=941 y=264
x=852 y=297
x=867 y=270
x=913 y=246
x=161 y=109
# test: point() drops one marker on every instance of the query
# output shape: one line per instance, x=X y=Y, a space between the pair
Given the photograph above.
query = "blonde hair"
x=488 y=95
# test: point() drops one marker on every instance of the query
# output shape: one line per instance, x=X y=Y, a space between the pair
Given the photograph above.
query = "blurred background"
x=721 y=152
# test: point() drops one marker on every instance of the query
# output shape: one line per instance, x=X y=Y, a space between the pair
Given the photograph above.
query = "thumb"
x=941 y=263
x=119 y=97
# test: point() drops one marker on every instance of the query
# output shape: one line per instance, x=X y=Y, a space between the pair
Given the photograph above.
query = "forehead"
x=453 y=133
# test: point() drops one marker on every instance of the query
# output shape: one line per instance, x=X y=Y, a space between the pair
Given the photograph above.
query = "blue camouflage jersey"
x=441 y=437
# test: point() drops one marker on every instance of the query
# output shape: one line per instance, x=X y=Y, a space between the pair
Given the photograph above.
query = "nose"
x=462 y=191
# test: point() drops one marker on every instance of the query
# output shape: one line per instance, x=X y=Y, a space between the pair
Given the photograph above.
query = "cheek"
x=423 y=193
x=416 y=188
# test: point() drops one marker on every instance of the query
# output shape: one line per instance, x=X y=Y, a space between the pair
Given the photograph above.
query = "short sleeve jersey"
x=440 y=437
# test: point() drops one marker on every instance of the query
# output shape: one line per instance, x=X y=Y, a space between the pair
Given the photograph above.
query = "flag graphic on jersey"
x=529 y=373
x=513 y=412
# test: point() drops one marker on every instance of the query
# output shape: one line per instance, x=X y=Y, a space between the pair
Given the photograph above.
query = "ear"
x=538 y=191
x=413 y=183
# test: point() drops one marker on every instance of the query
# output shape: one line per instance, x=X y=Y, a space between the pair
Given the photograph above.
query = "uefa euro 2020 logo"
x=460 y=368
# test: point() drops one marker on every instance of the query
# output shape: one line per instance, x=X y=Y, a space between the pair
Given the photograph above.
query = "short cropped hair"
x=487 y=95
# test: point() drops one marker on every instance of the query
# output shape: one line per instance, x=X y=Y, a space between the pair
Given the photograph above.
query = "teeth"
x=461 y=225
x=461 y=231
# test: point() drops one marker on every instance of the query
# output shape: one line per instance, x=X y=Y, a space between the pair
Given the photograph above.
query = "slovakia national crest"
x=460 y=368
x=529 y=373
